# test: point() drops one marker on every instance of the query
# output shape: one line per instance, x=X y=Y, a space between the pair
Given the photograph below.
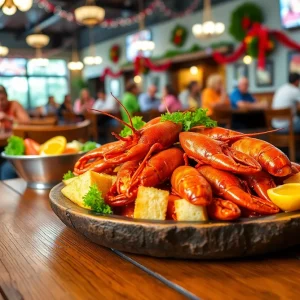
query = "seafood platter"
x=180 y=186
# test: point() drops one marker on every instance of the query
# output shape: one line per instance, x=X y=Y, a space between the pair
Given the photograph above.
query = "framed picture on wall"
x=240 y=70
x=115 y=87
x=266 y=77
x=294 y=62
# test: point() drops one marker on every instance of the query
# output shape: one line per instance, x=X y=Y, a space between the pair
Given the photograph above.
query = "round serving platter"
x=192 y=240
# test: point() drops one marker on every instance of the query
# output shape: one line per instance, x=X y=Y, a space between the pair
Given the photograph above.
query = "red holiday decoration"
x=141 y=64
x=114 y=53
x=108 y=72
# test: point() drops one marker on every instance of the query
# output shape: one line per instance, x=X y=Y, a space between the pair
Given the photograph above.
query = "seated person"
x=11 y=111
x=170 y=101
x=214 y=94
x=84 y=103
x=148 y=101
x=241 y=98
x=184 y=98
x=194 y=94
x=130 y=100
x=66 y=106
x=287 y=96
x=50 y=108
x=104 y=103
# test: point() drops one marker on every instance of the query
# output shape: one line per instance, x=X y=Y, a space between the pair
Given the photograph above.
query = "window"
x=31 y=84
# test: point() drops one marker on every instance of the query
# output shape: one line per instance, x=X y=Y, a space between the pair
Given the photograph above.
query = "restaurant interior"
x=149 y=149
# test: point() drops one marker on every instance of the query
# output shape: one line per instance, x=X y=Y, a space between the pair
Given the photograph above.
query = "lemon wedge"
x=286 y=197
x=54 y=146
x=293 y=179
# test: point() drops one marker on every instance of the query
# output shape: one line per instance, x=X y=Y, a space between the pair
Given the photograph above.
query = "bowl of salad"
x=42 y=166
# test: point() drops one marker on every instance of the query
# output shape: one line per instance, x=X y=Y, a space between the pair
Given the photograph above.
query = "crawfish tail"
x=224 y=210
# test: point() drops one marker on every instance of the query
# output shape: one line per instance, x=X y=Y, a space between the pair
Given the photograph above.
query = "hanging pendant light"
x=143 y=45
x=92 y=59
x=209 y=28
x=3 y=51
x=75 y=64
x=9 y=7
x=89 y=14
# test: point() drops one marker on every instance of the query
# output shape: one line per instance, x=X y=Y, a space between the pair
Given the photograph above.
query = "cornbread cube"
x=151 y=203
x=79 y=187
x=68 y=181
x=185 y=211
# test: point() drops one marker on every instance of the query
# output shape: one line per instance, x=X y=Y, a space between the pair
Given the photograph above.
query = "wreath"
x=252 y=46
x=115 y=53
x=243 y=17
x=179 y=36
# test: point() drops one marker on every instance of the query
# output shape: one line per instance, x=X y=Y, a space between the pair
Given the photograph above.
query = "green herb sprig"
x=15 y=146
x=88 y=146
x=94 y=200
x=190 y=119
x=68 y=175
x=137 y=122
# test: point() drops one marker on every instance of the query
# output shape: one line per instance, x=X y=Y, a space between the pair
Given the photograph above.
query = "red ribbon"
x=108 y=72
x=221 y=59
x=146 y=62
x=285 y=40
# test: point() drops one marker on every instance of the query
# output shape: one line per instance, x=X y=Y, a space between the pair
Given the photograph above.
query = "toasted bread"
x=185 y=211
x=79 y=187
x=68 y=181
x=151 y=203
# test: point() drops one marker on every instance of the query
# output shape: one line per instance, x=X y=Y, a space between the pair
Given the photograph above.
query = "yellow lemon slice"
x=286 y=197
x=54 y=146
x=293 y=179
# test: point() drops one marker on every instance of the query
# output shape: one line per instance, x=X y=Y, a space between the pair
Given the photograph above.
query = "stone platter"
x=190 y=240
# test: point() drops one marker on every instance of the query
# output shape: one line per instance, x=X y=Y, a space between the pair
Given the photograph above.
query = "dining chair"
x=41 y=134
x=93 y=118
x=282 y=139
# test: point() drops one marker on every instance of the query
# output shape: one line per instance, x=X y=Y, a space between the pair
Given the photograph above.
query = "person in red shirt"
x=11 y=111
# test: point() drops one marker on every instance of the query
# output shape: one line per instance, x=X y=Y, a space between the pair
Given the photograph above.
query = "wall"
x=221 y=12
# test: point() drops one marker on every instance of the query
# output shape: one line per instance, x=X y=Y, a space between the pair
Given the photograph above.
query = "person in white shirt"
x=107 y=104
x=184 y=98
x=288 y=96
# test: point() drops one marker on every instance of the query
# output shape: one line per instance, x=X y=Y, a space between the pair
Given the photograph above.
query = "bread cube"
x=186 y=211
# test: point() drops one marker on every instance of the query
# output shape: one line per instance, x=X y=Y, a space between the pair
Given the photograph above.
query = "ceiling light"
x=194 y=70
x=137 y=79
x=9 y=10
x=23 y=5
x=247 y=59
x=90 y=14
x=37 y=40
x=209 y=28
x=3 y=51
x=92 y=60
x=75 y=65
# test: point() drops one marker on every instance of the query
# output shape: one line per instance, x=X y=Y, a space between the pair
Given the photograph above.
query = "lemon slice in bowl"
x=286 y=197
x=54 y=146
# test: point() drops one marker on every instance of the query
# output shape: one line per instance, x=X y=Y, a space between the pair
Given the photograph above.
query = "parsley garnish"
x=137 y=122
x=68 y=175
x=94 y=200
x=15 y=146
x=190 y=119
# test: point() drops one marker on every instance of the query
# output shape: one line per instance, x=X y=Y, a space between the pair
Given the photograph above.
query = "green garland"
x=179 y=35
x=243 y=14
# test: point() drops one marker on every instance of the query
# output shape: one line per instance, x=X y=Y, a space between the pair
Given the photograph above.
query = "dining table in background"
x=41 y=258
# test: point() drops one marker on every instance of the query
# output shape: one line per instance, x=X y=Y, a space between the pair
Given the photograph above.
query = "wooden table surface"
x=40 y=258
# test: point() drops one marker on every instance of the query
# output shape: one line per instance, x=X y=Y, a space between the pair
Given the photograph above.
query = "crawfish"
x=228 y=186
x=260 y=183
x=205 y=150
x=224 y=210
x=273 y=160
x=94 y=160
x=149 y=173
x=190 y=185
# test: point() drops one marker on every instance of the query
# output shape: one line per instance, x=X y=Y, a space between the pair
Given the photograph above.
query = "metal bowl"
x=43 y=172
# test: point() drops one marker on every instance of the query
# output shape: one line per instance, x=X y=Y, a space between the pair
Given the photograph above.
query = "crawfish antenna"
x=114 y=117
x=127 y=113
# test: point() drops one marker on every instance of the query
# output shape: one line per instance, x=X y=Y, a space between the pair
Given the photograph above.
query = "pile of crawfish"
x=224 y=170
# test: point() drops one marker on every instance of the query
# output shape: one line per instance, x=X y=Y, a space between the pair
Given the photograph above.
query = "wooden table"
x=40 y=258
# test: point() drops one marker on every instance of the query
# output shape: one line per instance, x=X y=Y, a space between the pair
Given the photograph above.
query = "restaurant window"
x=31 y=84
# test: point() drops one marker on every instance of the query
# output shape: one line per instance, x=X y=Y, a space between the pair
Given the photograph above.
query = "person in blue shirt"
x=241 y=98
x=148 y=101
